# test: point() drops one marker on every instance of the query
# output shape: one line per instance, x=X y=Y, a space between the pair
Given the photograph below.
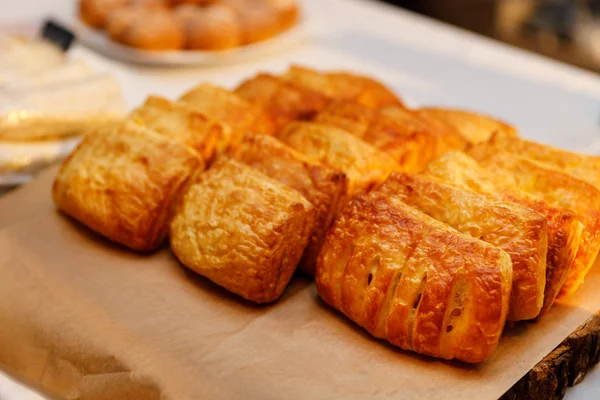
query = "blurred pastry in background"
x=95 y=12
x=146 y=28
x=211 y=25
x=214 y=27
x=175 y=3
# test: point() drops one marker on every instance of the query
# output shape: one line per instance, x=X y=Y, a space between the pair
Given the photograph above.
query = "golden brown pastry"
x=558 y=189
x=475 y=128
x=564 y=228
x=323 y=186
x=174 y=3
x=520 y=231
x=180 y=122
x=581 y=166
x=411 y=140
x=364 y=165
x=257 y=21
x=95 y=12
x=286 y=10
x=146 y=28
x=213 y=27
x=120 y=182
x=414 y=281
x=344 y=86
x=283 y=100
x=239 y=115
x=242 y=230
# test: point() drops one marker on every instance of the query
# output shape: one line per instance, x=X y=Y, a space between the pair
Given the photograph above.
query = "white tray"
x=98 y=41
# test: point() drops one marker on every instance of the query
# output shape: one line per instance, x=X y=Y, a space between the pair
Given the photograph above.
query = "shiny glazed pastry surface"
x=120 y=182
x=179 y=121
x=285 y=101
x=559 y=189
x=414 y=281
x=581 y=166
x=364 y=165
x=520 y=231
x=236 y=113
x=409 y=139
x=242 y=230
x=323 y=186
x=473 y=127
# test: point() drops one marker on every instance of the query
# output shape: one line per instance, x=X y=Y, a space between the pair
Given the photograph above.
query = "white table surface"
x=427 y=62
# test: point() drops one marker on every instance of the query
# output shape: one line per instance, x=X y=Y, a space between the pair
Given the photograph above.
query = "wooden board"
x=566 y=366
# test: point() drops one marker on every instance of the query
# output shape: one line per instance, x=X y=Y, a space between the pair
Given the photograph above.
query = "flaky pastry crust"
x=242 y=230
x=414 y=281
x=121 y=183
x=411 y=140
x=559 y=189
x=283 y=100
x=180 y=122
x=364 y=165
x=228 y=108
x=564 y=228
x=323 y=186
x=518 y=230
x=339 y=85
x=474 y=128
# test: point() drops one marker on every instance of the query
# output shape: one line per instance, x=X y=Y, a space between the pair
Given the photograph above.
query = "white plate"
x=98 y=41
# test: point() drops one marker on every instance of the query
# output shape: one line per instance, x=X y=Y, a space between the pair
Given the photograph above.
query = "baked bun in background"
x=214 y=27
x=257 y=20
x=95 y=12
x=146 y=28
x=286 y=10
x=175 y=3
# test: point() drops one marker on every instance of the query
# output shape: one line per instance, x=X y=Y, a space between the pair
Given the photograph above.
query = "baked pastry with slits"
x=559 y=189
x=474 y=128
x=520 y=231
x=339 y=85
x=365 y=166
x=233 y=111
x=564 y=228
x=411 y=140
x=121 y=183
x=242 y=230
x=323 y=186
x=414 y=281
x=285 y=101
x=180 y=122
x=581 y=166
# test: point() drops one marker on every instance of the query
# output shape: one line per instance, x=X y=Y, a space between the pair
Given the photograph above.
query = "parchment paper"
x=90 y=320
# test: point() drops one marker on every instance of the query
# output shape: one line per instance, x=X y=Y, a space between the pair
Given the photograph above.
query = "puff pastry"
x=520 y=231
x=283 y=100
x=233 y=111
x=559 y=189
x=474 y=128
x=414 y=281
x=344 y=86
x=364 y=165
x=581 y=166
x=564 y=228
x=242 y=230
x=323 y=186
x=121 y=182
x=180 y=122
x=411 y=140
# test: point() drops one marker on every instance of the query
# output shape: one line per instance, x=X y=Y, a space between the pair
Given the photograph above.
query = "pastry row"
x=196 y=25
x=427 y=227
